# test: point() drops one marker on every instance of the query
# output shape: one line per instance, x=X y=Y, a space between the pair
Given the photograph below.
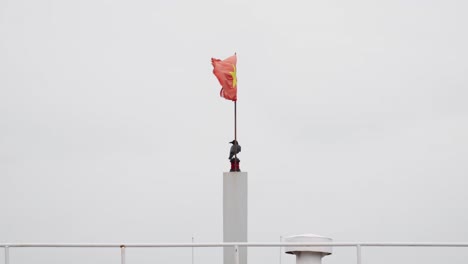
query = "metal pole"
x=236 y=254
x=358 y=253
x=7 y=255
x=122 y=254
x=235 y=126
x=235 y=120
x=193 y=240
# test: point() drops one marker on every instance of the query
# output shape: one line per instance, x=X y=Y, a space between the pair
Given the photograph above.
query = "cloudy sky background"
x=353 y=119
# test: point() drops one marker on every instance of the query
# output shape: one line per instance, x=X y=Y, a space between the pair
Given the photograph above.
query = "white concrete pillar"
x=235 y=215
x=308 y=255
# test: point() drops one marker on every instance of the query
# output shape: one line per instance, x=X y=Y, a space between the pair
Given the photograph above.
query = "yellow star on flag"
x=234 y=76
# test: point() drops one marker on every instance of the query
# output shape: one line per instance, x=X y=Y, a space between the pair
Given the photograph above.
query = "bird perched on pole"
x=235 y=149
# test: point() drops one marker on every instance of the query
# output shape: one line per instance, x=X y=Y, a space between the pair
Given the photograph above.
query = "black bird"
x=235 y=149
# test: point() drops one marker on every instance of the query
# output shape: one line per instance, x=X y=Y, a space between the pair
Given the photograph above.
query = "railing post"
x=236 y=254
x=358 y=253
x=7 y=255
x=280 y=249
x=122 y=254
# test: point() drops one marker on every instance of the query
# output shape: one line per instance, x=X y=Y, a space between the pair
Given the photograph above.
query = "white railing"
x=236 y=245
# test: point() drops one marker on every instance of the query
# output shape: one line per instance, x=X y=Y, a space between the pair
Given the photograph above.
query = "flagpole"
x=235 y=124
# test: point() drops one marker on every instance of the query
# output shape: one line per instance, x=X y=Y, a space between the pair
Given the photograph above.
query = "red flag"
x=225 y=71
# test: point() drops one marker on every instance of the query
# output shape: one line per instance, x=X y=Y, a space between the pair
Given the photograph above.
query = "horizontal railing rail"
x=235 y=245
x=239 y=244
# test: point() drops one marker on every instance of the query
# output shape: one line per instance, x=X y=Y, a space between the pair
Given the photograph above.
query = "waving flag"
x=225 y=71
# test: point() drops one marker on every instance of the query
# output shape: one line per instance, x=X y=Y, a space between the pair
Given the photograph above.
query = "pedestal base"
x=235 y=165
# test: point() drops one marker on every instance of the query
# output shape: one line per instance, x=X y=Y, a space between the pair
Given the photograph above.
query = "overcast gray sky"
x=352 y=120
